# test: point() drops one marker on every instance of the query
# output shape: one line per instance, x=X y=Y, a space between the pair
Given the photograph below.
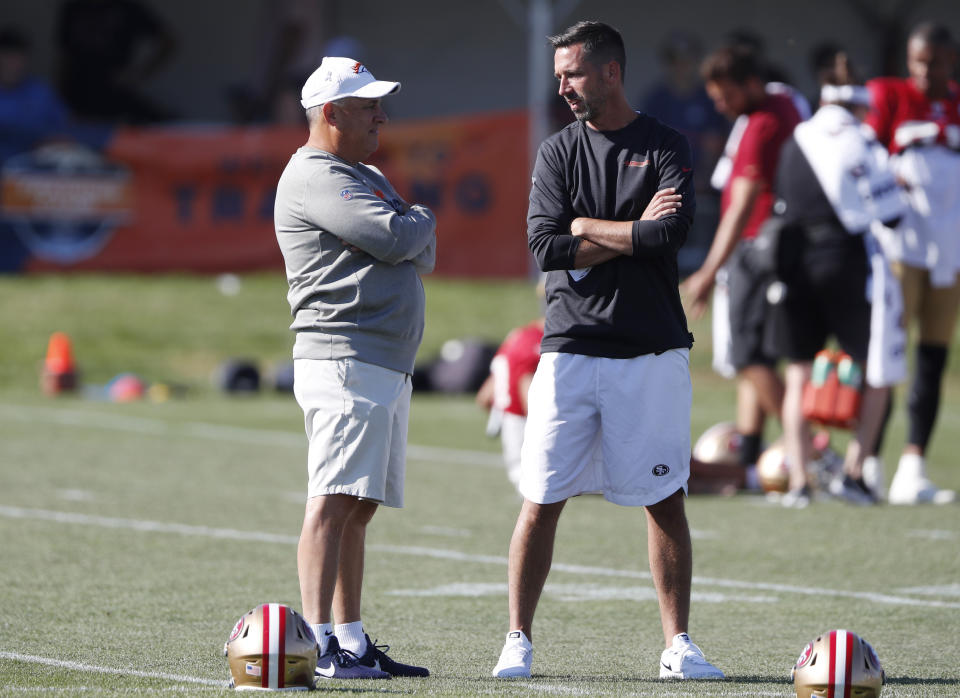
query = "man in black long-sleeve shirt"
x=609 y=405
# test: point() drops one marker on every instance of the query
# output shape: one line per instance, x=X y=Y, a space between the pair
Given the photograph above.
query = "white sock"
x=351 y=637
x=323 y=632
x=518 y=637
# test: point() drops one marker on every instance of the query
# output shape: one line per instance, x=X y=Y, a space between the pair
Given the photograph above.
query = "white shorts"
x=356 y=416
x=511 y=438
x=620 y=427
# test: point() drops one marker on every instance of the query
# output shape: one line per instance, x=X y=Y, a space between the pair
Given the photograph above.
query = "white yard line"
x=454 y=555
x=717 y=691
x=88 y=419
x=92 y=668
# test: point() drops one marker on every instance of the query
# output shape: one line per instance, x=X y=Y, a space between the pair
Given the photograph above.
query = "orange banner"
x=201 y=199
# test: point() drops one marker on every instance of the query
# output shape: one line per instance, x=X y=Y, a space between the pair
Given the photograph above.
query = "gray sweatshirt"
x=368 y=302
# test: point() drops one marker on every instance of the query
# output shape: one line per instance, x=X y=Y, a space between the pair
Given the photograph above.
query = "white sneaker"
x=797 y=499
x=684 y=660
x=874 y=476
x=911 y=486
x=515 y=658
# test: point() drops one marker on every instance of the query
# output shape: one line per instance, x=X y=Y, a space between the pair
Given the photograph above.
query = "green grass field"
x=134 y=535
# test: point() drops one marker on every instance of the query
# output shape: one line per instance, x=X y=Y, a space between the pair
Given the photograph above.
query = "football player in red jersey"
x=504 y=392
x=918 y=119
x=734 y=80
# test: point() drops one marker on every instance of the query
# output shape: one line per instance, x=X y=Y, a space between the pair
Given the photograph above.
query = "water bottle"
x=820 y=393
x=850 y=383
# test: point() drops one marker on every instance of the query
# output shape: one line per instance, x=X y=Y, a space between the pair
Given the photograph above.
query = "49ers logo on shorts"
x=661 y=469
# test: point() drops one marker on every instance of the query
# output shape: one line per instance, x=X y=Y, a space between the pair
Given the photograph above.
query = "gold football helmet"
x=272 y=648
x=838 y=663
x=772 y=469
x=718 y=445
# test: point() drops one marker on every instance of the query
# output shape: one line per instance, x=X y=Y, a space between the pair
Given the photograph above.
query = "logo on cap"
x=359 y=67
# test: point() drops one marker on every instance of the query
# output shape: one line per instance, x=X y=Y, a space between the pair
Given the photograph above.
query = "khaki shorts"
x=933 y=308
x=356 y=416
x=620 y=427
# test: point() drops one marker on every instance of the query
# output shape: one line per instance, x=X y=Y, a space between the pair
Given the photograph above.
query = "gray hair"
x=314 y=113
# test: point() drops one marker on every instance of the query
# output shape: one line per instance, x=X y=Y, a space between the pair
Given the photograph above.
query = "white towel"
x=931 y=233
x=722 y=336
x=887 y=351
x=852 y=168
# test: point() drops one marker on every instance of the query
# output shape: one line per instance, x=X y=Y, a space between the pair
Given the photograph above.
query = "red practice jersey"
x=758 y=153
x=517 y=356
x=896 y=101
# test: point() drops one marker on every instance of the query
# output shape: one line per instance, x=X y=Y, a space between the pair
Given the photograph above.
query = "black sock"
x=749 y=451
x=924 y=401
x=878 y=444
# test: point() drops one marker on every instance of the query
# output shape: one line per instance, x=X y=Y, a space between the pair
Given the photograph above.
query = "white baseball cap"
x=337 y=78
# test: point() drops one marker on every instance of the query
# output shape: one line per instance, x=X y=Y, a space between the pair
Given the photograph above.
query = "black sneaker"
x=853 y=491
x=376 y=657
x=338 y=663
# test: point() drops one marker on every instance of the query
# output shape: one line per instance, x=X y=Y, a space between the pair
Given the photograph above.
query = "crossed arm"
x=602 y=240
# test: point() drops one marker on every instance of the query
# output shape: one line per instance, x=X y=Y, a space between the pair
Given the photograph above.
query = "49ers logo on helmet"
x=805 y=655
x=236 y=630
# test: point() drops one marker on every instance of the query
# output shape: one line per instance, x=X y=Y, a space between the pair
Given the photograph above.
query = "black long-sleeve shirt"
x=629 y=305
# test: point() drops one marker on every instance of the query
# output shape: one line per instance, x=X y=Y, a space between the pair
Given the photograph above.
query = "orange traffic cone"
x=59 y=370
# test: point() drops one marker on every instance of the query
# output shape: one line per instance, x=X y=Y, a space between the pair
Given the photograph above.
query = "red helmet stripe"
x=265 y=667
x=841 y=664
x=281 y=662
x=832 y=654
x=848 y=673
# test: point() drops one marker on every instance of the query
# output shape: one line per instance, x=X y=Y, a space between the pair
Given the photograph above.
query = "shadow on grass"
x=920 y=681
x=646 y=681
x=331 y=687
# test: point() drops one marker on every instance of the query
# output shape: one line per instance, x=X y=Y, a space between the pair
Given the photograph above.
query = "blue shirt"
x=29 y=113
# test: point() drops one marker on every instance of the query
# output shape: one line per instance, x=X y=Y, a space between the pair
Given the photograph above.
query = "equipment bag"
x=832 y=395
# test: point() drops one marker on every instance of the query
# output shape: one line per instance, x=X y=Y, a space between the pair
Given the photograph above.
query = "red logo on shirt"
x=637 y=163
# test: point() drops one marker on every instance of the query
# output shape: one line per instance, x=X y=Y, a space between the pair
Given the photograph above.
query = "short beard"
x=586 y=115
x=590 y=109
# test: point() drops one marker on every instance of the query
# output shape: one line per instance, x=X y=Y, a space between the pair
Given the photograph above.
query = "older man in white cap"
x=353 y=250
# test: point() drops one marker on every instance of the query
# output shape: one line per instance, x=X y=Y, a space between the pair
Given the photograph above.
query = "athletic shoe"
x=911 y=486
x=797 y=499
x=827 y=464
x=338 y=663
x=376 y=656
x=515 y=658
x=684 y=660
x=751 y=479
x=873 y=475
x=853 y=491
